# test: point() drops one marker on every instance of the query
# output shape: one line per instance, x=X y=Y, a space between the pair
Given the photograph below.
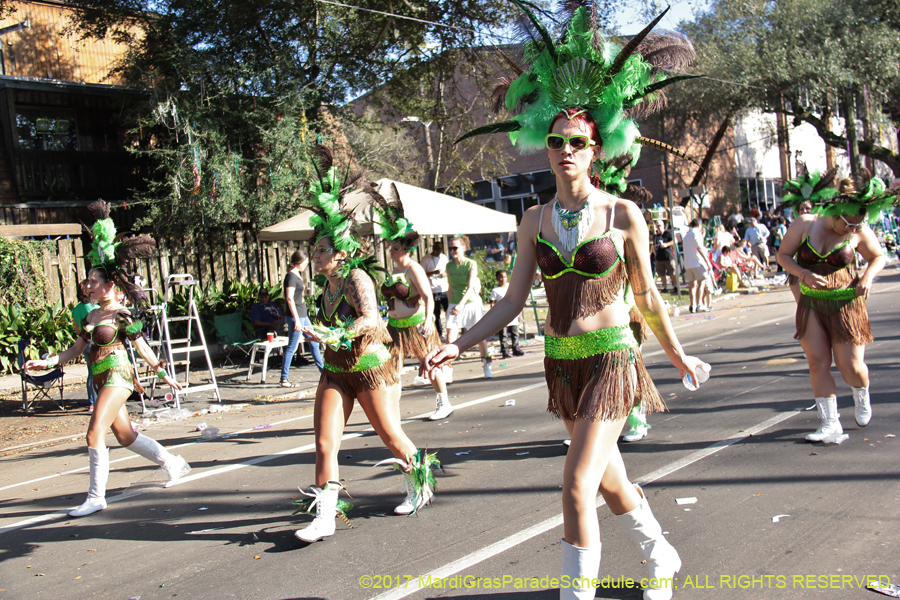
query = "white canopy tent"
x=430 y=212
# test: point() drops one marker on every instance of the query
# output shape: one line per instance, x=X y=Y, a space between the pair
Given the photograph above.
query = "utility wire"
x=396 y=16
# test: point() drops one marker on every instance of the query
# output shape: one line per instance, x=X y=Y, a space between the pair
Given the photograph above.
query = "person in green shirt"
x=79 y=313
x=465 y=308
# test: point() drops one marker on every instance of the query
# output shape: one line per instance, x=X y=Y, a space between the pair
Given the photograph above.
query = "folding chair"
x=230 y=337
x=41 y=385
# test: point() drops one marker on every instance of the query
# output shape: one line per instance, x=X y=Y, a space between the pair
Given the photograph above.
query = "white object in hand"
x=699 y=377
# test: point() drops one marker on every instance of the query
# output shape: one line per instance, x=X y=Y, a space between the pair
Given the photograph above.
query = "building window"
x=762 y=194
x=46 y=129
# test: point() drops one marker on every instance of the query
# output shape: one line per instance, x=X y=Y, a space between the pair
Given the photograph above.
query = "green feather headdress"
x=814 y=188
x=327 y=190
x=390 y=220
x=113 y=252
x=586 y=70
x=613 y=177
x=871 y=198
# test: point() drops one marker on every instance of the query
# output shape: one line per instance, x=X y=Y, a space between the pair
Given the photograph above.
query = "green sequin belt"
x=366 y=361
x=111 y=361
x=819 y=294
x=589 y=344
x=412 y=321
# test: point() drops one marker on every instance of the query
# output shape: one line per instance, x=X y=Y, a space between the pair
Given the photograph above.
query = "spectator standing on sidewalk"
x=757 y=235
x=512 y=329
x=435 y=265
x=697 y=267
x=664 y=247
x=295 y=287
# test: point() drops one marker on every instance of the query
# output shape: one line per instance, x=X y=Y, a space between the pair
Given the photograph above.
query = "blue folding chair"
x=40 y=385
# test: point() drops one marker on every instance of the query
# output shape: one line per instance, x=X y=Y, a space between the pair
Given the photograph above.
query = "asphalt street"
x=774 y=517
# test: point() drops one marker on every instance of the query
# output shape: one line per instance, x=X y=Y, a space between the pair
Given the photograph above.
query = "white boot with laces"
x=830 y=430
x=409 y=504
x=325 y=501
x=96 y=498
x=442 y=407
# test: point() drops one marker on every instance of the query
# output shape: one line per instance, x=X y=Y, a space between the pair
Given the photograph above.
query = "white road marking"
x=524 y=535
x=240 y=465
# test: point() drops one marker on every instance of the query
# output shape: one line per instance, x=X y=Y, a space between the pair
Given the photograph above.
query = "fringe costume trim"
x=576 y=296
x=408 y=342
x=110 y=367
x=839 y=311
x=586 y=345
x=603 y=386
x=351 y=383
x=366 y=361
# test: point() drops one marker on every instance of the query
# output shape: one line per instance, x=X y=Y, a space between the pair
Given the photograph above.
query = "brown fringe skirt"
x=844 y=321
x=603 y=386
x=351 y=382
x=408 y=342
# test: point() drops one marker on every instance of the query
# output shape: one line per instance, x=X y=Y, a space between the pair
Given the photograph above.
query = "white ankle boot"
x=442 y=408
x=637 y=425
x=409 y=504
x=579 y=566
x=326 y=510
x=486 y=367
x=830 y=430
x=662 y=558
x=175 y=466
x=863 y=412
x=96 y=498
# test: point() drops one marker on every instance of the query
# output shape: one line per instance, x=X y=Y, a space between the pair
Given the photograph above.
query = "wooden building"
x=62 y=143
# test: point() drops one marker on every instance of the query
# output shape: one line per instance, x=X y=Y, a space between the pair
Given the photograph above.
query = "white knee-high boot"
x=579 y=567
x=96 y=498
x=175 y=466
x=863 y=408
x=662 y=558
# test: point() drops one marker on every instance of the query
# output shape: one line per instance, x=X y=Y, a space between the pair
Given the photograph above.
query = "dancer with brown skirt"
x=358 y=366
x=589 y=245
x=409 y=298
x=832 y=320
x=112 y=373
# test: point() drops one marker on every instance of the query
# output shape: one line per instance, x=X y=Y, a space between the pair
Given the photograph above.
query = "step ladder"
x=179 y=350
x=154 y=337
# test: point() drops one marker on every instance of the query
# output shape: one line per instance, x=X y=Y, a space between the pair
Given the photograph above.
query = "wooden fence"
x=243 y=259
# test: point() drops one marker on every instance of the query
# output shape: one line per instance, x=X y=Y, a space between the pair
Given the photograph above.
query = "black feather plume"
x=667 y=50
x=504 y=127
x=532 y=29
x=631 y=46
x=100 y=209
x=498 y=97
x=826 y=180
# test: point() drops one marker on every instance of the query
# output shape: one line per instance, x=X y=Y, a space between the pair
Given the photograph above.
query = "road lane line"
x=524 y=535
x=246 y=463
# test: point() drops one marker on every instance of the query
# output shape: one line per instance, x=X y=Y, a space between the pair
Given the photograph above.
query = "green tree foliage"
x=238 y=89
x=808 y=59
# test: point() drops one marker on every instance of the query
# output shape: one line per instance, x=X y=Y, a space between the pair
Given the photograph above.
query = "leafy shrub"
x=21 y=271
x=50 y=329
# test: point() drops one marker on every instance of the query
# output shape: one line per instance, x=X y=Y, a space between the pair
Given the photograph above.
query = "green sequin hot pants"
x=114 y=370
x=599 y=375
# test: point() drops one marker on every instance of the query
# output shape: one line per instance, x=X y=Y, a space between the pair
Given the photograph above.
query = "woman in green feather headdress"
x=408 y=294
x=105 y=330
x=358 y=366
x=832 y=320
x=577 y=101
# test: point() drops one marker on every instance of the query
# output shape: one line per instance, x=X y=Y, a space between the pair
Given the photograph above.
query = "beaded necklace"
x=571 y=226
x=332 y=298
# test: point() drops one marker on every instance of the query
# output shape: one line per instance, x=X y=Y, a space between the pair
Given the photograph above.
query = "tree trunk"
x=849 y=100
x=713 y=147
